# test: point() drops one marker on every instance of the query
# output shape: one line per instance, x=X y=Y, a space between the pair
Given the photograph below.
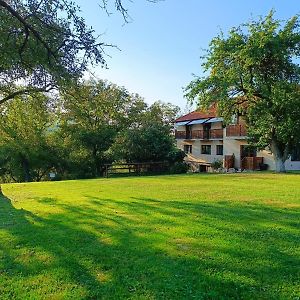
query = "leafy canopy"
x=254 y=71
x=45 y=44
x=26 y=148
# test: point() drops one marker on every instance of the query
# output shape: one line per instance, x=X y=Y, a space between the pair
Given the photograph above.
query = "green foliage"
x=92 y=115
x=201 y=236
x=148 y=143
x=74 y=135
x=45 y=44
x=161 y=113
x=102 y=122
x=148 y=138
x=217 y=164
x=179 y=167
x=26 y=149
x=254 y=72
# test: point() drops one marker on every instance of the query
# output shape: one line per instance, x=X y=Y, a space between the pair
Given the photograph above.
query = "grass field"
x=166 y=237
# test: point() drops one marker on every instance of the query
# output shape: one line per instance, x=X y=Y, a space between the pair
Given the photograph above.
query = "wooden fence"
x=135 y=168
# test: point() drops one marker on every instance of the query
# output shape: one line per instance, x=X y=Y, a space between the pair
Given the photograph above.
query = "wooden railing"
x=251 y=163
x=135 y=168
x=200 y=134
x=236 y=130
x=216 y=133
x=180 y=134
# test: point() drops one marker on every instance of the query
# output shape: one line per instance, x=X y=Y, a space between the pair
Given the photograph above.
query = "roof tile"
x=199 y=114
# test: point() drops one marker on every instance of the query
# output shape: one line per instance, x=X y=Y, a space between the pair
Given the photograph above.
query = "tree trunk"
x=280 y=156
x=26 y=171
x=279 y=165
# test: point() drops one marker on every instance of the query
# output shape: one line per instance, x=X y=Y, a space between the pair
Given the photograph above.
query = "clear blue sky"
x=161 y=47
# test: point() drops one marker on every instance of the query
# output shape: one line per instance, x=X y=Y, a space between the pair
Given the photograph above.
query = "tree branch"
x=24 y=91
x=28 y=27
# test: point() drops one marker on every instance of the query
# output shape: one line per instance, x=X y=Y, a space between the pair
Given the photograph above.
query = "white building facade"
x=205 y=140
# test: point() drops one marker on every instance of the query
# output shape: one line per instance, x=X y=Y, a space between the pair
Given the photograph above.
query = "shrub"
x=179 y=167
x=217 y=164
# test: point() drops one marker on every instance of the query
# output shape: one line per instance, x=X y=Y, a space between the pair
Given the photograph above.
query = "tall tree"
x=254 y=71
x=93 y=113
x=26 y=151
x=163 y=113
x=147 y=143
x=44 y=44
x=149 y=139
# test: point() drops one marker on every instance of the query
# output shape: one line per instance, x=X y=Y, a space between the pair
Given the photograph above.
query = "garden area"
x=198 y=236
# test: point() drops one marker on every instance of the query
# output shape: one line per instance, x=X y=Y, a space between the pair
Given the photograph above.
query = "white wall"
x=233 y=146
x=196 y=149
x=230 y=146
x=292 y=165
x=268 y=159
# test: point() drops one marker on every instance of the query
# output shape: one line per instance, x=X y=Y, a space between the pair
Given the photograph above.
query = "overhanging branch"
x=25 y=91
x=27 y=27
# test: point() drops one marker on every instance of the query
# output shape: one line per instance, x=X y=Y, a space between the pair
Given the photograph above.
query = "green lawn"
x=166 y=237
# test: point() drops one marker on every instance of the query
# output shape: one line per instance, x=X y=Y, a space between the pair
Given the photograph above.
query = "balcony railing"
x=216 y=133
x=200 y=134
x=180 y=135
x=236 y=130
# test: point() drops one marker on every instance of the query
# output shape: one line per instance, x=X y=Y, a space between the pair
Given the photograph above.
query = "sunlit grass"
x=166 y=237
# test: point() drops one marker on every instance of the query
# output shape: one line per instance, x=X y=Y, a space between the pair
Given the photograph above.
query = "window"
x=296 y=154
x=188 y=148
x=206 y=149
x=206 y=131
x=188 y=132
x=219 y=150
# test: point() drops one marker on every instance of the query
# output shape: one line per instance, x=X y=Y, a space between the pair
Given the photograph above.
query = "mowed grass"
x=166 y=237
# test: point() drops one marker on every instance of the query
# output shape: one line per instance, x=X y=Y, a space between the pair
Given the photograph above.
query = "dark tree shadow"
x=150 y=249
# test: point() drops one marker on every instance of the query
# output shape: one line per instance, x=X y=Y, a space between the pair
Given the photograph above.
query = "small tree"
x=254 y=72
x=26 y=151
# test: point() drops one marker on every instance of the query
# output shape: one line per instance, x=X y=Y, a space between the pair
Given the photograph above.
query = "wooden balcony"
x=216 y=133
x=180 y=134
x=200 y=134
x=236 y=130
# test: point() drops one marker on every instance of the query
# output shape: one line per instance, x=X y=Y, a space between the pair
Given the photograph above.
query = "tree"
x=26 y=151
x=162 y=113
x=151 y=143
x=254 y=72
x=45 y=44
x=150 y=139
x=93 y=113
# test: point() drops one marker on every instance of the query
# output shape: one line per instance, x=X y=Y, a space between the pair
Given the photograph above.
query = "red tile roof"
x=199 y=114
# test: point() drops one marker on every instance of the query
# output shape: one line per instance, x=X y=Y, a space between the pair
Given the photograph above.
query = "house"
x=204 y=138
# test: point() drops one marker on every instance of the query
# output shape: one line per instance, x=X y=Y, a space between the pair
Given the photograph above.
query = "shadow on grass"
x=148 y=248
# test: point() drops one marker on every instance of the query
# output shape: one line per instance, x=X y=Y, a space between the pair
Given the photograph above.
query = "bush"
x=217 y=164
x=179 y=167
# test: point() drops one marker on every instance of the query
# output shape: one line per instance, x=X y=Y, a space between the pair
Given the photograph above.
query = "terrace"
x=200 y=134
